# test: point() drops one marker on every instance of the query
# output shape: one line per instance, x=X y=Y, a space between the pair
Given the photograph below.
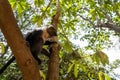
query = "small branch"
x=109 y=24
x=86 y=19
x=55 y=18
x=107 y=16
x=7 y=64
x=43 y=14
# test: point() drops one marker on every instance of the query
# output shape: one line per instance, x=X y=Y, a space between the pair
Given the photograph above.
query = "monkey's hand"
x=52 y=39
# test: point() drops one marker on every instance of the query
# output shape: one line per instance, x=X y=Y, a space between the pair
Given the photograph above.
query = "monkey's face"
x=45 y=35
x=49 y=34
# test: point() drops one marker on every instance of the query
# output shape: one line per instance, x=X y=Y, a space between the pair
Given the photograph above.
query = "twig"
x=55 y=18
x=43 y=14
x=86 y=19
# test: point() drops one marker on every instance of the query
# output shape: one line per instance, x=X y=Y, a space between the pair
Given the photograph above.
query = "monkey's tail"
x=7 y=64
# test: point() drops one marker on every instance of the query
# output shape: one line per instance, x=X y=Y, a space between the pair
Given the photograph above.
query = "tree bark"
x=53 y=64
x=111 y=26
x=17 y=43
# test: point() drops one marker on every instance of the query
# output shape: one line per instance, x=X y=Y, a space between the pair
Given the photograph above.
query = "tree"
x=17 y=43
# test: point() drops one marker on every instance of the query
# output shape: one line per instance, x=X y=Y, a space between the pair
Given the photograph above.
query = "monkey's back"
x=35 y=40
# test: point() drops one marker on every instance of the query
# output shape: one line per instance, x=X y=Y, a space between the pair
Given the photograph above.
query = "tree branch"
x=9 y=28
x=86 y=19
x=55 y=17
x=6 y=65
x=110 y=26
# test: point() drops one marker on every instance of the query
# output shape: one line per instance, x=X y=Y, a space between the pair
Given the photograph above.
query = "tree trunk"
x=53 y=65
x=17 y=43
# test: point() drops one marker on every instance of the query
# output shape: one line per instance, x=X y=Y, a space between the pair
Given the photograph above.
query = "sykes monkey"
x=38 y=38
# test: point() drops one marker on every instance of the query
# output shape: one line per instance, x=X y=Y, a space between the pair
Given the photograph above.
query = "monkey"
x=38 y=38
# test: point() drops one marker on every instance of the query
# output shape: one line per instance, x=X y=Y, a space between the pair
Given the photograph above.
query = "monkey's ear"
x=52 y=31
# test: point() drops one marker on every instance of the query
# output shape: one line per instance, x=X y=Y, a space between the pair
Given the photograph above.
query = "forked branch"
x=55 y=18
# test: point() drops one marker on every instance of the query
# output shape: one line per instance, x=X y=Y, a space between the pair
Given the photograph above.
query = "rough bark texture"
x=53 y=65
x=17 y=43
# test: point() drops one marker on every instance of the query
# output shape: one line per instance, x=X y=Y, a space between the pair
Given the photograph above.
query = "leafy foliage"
x=2 y=48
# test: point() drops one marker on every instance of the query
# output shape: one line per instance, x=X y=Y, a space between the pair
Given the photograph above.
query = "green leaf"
x=38 y=2
x=13 y=3
x=39 y=22
x=2 y=48
x=83 y=67
x=70 y=68
x=68 y=47
x=76 y=70
x=101 y=15
x=61 y=54
x=100 y=76
x=96 y=58
x=93 y=13
x=35 y=19
x=43 y=75
x=89 y=75
x=107 y=77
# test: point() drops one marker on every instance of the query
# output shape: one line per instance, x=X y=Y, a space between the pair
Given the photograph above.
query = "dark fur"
x=36 y=42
